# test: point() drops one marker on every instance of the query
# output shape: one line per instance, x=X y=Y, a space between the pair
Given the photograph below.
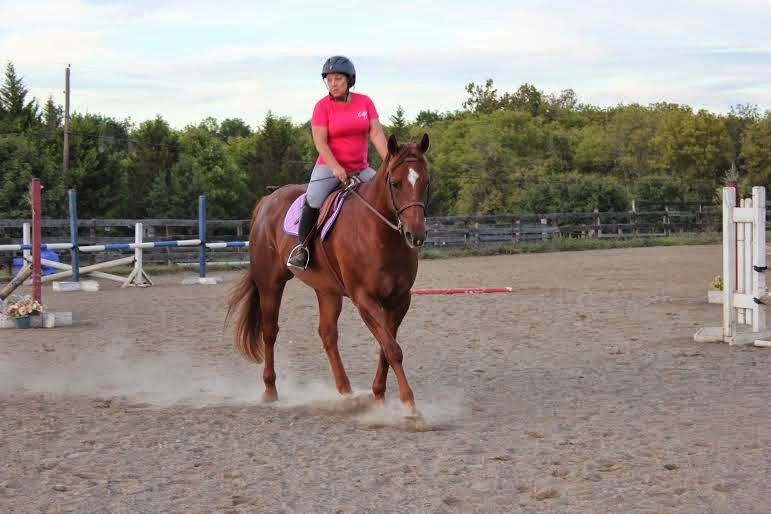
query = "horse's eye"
x=395 y=183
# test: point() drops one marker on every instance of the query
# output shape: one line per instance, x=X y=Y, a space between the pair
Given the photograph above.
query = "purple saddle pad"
x=292 y=218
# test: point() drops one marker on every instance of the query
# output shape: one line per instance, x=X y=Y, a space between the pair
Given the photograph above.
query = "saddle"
x=327 y=214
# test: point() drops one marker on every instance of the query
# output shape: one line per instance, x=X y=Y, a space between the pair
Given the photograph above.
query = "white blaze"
x=412 y=177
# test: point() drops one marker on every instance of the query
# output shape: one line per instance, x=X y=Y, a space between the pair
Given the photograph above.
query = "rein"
x=396 y=210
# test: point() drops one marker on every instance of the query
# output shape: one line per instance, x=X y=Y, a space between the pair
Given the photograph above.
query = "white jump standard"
x=745 y=293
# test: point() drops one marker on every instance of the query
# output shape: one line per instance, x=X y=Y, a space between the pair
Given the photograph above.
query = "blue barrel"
x=50 y=255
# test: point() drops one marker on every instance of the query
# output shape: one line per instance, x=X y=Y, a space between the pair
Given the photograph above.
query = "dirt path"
x=581 y=391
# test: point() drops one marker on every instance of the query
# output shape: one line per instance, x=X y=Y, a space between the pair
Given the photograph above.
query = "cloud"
x=189 y=60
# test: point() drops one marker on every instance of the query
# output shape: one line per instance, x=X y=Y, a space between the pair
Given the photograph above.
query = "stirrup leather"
x=294 y=252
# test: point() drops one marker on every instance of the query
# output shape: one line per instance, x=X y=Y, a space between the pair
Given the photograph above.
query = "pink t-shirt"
x=347 y=127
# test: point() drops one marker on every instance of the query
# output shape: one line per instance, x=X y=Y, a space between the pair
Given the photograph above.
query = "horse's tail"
x=247 y=333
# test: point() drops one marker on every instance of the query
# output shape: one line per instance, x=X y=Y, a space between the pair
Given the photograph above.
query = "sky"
x=188 y=60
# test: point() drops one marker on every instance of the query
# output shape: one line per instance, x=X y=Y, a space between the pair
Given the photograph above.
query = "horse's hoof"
x=269 y=396
x=415 y=422
x=354 y=403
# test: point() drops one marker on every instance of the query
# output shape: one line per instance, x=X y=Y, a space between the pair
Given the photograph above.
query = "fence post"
x=169 y=261
x=240 y=237
x=597 y=224
x=202 y=236
x=633 y=218
x=544 y=233
x=92 y=233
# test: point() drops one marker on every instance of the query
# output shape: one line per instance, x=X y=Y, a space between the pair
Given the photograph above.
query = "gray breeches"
x=323 y=182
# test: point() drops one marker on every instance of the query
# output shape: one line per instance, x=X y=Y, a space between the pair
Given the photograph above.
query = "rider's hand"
x=340 y=174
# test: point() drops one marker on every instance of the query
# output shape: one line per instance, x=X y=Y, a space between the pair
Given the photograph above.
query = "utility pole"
x=66 y=164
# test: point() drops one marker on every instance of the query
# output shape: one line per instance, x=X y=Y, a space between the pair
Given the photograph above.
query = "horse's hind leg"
x=330 y=306
x=270 y=303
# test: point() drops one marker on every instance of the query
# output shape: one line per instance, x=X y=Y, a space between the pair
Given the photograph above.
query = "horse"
x=370 y=256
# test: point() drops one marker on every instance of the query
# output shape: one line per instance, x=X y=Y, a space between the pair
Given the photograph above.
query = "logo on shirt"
x=362 y=114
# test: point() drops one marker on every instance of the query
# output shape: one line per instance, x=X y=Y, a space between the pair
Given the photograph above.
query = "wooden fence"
x=646 y=219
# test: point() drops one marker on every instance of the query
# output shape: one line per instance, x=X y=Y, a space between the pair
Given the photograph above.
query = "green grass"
x=573 y=245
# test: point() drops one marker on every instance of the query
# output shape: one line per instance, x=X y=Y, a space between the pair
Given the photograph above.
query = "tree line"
x=500 y=152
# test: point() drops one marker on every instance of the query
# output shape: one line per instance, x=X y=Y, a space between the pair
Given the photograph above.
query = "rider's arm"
x=377 y=137
x=320 y=139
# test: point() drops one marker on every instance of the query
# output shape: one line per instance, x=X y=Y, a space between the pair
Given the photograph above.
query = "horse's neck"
x=377 y=194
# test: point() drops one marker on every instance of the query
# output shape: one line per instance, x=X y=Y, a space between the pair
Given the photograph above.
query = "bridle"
x=397 y=211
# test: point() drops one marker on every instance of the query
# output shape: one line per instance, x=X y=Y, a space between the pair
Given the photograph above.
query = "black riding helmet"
x=340 y=64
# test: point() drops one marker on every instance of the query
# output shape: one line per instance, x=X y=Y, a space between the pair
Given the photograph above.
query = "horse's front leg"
x=330 y=306
x=394 y=319
x=376 y=317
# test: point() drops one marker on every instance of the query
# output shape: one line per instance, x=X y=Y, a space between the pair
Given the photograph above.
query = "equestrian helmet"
x=339 y=64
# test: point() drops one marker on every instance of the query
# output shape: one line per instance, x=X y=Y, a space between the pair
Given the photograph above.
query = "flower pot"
x=714 y=296
x=24 y=322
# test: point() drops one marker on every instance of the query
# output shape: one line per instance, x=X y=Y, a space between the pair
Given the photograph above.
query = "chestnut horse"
x=370 y=256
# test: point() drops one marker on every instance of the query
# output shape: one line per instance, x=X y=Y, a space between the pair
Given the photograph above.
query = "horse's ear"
x=393 y=145
x=424 y=143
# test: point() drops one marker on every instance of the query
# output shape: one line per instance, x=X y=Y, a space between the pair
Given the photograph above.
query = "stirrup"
x=295 y=257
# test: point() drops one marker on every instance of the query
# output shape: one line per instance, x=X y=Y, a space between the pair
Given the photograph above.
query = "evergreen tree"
x=52 y=115
x=17 y=113
x=399 y=124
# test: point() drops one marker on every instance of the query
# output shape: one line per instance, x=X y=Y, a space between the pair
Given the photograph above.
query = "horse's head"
x=409 y=184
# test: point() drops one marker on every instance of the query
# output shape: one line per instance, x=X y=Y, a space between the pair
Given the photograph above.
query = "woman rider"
x=342 y=124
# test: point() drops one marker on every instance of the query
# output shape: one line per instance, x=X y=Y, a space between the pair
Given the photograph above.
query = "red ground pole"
x=463 y=290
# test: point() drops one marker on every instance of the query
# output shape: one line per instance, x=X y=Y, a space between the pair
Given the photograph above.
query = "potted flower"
x=715 y=291
x=20 y=308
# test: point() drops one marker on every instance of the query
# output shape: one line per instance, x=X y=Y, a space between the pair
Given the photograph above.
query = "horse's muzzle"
x=414 y=240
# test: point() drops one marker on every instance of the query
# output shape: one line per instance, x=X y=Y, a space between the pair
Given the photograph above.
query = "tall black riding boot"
x=300 y=255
